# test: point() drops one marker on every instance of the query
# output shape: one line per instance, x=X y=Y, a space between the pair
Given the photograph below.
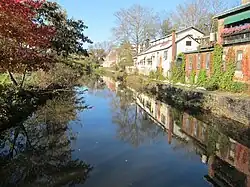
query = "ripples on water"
x=121 y=139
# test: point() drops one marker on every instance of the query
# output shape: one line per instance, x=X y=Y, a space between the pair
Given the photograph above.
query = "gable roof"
x=178 y=32
x=163 y=46
x=233 y=10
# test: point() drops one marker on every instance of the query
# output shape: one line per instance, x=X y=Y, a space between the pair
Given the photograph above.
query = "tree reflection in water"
x=134 y=125
x=38 y=152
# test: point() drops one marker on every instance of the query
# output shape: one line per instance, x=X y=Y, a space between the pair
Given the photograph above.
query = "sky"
x=98 y=15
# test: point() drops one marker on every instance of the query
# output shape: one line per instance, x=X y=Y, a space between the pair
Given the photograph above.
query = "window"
x=165 y=55
x=188 y=43
x=239 y=60
x=190 y=62
x=199 y=61
x=207 y=60
x=149 y=60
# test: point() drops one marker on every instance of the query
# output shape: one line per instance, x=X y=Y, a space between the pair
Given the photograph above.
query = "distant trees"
x=125 y=53
x=166 y=27
x=198 y=13
x=135 y=25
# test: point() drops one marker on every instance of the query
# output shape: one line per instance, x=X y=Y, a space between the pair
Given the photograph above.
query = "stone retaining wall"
x=230 y=106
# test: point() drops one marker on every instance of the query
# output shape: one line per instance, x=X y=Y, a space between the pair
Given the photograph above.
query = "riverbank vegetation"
x=42 y=53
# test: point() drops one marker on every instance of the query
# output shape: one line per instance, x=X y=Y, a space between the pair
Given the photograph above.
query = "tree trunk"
x=23 y=79
x=12 y=78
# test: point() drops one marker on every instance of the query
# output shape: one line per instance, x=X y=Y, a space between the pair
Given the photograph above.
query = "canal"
x=112 y=136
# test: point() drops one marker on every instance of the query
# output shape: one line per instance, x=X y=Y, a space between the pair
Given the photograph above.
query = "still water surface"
x=111 y=136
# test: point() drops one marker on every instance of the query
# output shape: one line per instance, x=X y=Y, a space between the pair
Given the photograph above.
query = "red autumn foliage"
x=24 y=44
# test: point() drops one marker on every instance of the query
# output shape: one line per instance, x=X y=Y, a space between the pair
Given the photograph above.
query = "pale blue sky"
x=99 y=14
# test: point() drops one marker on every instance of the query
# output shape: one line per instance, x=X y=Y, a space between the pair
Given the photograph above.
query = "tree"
x=105 y=45
x=24 y=43
x=198 y=13
x=125 y=53
x=166 y=27
x=135 y=25
x=69 y=37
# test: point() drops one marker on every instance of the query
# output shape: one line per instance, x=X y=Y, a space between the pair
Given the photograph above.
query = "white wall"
x=166 y=64
x=181 y=46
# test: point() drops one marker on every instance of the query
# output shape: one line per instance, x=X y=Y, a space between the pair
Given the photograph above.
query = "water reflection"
x=38 y=151
x=131 y=138
x=227 y=159
x=134 y=125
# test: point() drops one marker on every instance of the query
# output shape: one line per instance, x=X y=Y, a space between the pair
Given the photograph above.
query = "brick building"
x=233 y=32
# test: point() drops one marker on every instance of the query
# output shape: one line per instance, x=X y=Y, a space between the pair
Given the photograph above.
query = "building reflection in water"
x=228 y=160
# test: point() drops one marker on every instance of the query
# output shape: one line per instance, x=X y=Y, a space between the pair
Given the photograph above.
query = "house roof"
x=163 y=46
x=233 y=11
x=178 y=32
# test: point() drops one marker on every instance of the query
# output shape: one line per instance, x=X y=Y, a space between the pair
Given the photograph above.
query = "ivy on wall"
x=222 y=72
x=217 y=65
x=222 y=77
x=202 y=78
x=178 y=70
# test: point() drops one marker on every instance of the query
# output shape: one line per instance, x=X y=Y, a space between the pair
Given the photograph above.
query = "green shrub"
x=178 y=72
x=192 y=77
x=152 y=75
x=237 y=87
x=156 y=75
x=202 y=78
x=60 y=75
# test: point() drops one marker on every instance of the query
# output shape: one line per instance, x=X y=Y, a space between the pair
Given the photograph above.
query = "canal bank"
x=222 y=104
x=236 y=107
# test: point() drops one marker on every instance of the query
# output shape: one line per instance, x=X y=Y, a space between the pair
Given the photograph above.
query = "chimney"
x=245 y=2
x=173 y=46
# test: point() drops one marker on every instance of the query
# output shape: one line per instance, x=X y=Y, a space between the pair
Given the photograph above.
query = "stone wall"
x=226 y=105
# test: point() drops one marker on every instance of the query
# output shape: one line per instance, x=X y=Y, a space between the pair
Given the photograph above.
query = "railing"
x=239 y=38
x=205 y=42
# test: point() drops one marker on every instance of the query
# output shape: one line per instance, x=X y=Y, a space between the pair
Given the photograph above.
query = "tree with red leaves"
x=24 y=43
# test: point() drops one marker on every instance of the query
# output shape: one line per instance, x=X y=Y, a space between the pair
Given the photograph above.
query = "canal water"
x=110 y=136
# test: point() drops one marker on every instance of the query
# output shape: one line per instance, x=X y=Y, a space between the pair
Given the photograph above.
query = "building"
x=229 y=163
x=112 y=58
x=162 y=115
x=233 y=32
x=162 y=52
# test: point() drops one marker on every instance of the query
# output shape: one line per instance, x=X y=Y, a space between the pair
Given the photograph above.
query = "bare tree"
x=105 y=45
x=198 y=13
x=135 y=24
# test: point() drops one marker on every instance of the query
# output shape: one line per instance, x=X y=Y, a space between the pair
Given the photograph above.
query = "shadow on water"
x=222 y=144
x=38 y=151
